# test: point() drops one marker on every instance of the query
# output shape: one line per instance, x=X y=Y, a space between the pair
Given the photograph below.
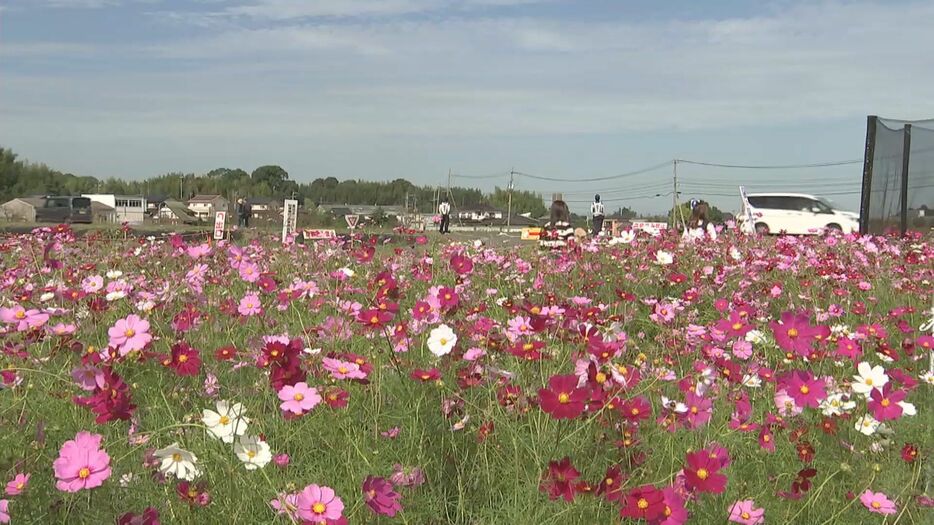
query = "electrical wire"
x=596 y=179
x=771 y=167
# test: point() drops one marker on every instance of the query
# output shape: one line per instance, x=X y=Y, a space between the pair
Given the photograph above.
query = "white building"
x=130 y=209
x=204 y=206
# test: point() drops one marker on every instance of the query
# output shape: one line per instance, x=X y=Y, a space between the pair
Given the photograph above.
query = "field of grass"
x=463 y=375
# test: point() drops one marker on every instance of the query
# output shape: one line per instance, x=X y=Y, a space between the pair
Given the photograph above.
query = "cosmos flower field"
x=661 y=380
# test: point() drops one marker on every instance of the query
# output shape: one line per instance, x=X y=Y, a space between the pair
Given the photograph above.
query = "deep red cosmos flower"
x=380 y=496
x=636 y=409
x=425 y=376
x=193 y=494
x=225 y=353
x=562 y=399
x=909 y=453
x=611 y=485
x=802 y=481
x=448 y=298
x=374 y=317
x=184 y=360
x=558 y=480
x=645 y=502
x=702 y=472
x=461 y=265
x=110 y=399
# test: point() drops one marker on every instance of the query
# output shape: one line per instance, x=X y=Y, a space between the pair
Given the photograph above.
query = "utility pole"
x=512 y=173
x=674 y=195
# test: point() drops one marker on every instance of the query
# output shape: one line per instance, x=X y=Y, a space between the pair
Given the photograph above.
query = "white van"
x=795 y=213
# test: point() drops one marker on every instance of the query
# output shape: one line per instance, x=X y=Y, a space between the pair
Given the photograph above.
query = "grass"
x=468 y=481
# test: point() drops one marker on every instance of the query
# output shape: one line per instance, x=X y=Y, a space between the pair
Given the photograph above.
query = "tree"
x=624 y=213
x=272 y=175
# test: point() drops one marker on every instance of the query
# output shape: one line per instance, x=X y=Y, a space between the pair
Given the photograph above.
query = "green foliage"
x=522 y=201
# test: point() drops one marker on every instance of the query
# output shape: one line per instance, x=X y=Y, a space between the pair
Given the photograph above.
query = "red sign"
x=317 y=235
x=351 y=220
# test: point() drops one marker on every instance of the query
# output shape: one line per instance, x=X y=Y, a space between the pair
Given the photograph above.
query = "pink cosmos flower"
x=4 y=511
x=81 y=463
x=473 y=354
x=318 y=504
x=744 y=512
x=92 y=284
x=250 y=305
x=298 y=398
x=129 y=334
x=343 y=369
x=17 y=485
x=23 y=319
x=249 y=272
x=89 y=377
x=63 y=329
x=877 y=502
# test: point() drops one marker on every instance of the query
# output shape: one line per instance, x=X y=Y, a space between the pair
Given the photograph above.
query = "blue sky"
x=566 y=89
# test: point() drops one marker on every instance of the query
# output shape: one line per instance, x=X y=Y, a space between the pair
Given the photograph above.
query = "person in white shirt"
x=597 y=211
x=445 y=210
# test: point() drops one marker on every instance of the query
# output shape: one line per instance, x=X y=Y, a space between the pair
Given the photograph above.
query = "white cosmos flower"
x=755 y=337
x=348 y=272
x=227 y=422
x=664 y=258
x=908 y=409
x=869 y=377
x=752 y=381
x=441 y=340
x=178 y=462
x=114 y=274
x=928 y=377
x=834 y=405
x=867 y=425
x=253 y=452
x=47 y=296
x=117 y=294
x=674 y=405
x=735 y=254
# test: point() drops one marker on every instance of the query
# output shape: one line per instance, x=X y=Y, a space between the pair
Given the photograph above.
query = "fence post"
x=868 y=158
x=906 y=159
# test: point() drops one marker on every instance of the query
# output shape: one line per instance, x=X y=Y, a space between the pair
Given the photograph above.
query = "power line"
x=596 y=179
x=772 y=167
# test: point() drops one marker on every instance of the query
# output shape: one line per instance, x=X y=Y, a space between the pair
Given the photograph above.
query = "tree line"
x=20 y=178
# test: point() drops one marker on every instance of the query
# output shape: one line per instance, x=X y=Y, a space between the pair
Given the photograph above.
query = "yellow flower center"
x=876 y=505
x=374 y=320
x=274 y=353
x=342 y=369
x=766 y=438
x=868 y=381
x=702 y=473
x=182 y=358
x=318 y=508
x=563 y=398
x=251 y=454
x=20 y=485
x=20 y=314
x=536 y=310
x=298 y=396
x=224 y=420
x=693 y=410
x=129 y=332
x=737 y=326
x=84 y=473
x=609 y=481
x=667 y=511
x=744 y=515
x=600 y=377
x=192 y=493
x=443 y=341
x=528 y=347
x=792 y=332
x=642 y=503
x=885 y=402
x=176 y=457
x=634 y=411
x=805 y=389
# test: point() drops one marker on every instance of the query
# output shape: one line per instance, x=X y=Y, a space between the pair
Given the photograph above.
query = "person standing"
x=597 y=211
x=243 y=213
x=445 y=210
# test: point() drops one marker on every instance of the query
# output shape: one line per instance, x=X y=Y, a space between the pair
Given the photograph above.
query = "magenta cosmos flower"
x=81 y=463
x=298 y=398
x=129 y=334
x=319 y=504
x=877 y=502
x=804 y=388
x=380 y=496
x=794 y=333
x=884 y=403
x=745 y=513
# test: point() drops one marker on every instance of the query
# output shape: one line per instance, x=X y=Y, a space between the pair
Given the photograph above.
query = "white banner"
x=220 y=220
x=654 y=228
x=320 y=234
x=289 y=218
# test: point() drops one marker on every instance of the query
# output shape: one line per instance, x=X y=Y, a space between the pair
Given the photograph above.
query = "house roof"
x=100 y=206
x=156 y=198
x=205 y=198
x=482 y=207
x=36 y=202
x=261 y=200
x=180 y=211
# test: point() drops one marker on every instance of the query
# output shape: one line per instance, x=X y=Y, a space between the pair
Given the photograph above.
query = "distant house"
x=175 y=212
x=263 y=206
x=204 y=206
x=480 y=212
x=21 y=209
x=101 y=212
x=153 y=203
x=130 y=209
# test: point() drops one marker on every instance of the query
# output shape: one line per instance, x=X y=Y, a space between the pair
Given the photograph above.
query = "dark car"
x=65 y=210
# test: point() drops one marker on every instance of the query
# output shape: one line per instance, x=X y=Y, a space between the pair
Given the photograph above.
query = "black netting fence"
x=898 y=176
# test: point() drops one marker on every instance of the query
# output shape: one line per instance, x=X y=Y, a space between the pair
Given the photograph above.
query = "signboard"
x=318 y=235
x=220 y=219
x=351 y=220
x=654 y=228
x=747 y=209
x=289 y=218
x=531 y=234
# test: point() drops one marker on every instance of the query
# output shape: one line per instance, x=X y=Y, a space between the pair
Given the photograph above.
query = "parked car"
x=795 y=213
x=65 y=210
